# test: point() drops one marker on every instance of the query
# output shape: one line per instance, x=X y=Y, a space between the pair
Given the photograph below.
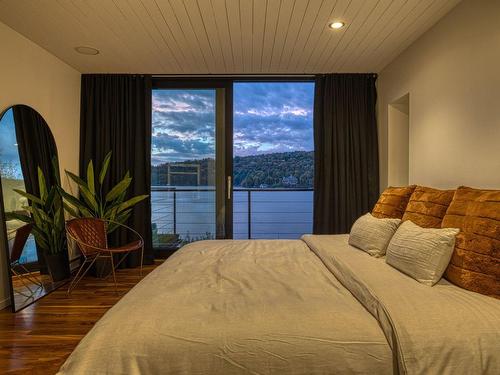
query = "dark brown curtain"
x=116 y=116
x=346 y=175
x=36 y=147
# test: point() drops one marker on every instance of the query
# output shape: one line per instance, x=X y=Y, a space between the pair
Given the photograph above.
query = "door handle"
x=229 y=187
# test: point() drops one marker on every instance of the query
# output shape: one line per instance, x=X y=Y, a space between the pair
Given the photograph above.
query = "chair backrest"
x=89 y=233
x=22 y=234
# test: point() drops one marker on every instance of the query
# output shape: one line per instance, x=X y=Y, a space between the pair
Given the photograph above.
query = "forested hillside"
x=287 y=169
x=277 y=170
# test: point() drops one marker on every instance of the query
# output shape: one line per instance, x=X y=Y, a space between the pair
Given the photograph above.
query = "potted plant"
x=93 y=203
x=46 y=215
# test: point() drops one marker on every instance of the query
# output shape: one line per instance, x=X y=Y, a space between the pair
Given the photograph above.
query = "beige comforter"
x=285 y=307
x=236 y=307
x=433 y=330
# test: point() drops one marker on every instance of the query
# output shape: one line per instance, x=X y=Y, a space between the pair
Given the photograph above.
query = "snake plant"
x=111 y=206
x=45 y=213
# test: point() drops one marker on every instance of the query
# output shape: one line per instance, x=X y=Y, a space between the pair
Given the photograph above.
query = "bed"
x=309 y=306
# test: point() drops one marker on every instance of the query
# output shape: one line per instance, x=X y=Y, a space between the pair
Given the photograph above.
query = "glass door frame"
x=223 y=143
x=224 y=130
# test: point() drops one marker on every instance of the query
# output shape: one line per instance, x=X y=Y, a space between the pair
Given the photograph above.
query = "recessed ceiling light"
x=87 y=50
x=336 y=25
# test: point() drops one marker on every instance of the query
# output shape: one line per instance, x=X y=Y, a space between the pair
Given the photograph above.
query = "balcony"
x=182 y=215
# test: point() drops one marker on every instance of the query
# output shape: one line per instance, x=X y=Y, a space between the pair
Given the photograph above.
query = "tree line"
x=274 y=170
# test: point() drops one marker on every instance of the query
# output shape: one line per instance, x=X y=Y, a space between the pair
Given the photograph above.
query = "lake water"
x=274 y=214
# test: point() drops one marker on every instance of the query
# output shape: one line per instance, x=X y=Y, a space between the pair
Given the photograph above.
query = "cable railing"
x=182 y=215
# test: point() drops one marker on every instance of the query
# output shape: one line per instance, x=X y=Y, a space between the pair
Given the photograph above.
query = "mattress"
x=309 y=306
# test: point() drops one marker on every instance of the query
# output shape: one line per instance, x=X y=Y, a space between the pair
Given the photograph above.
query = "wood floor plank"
x=38 y=339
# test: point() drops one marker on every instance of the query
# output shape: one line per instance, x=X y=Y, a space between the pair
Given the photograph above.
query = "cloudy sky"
x=268 y=117
x=9 y=156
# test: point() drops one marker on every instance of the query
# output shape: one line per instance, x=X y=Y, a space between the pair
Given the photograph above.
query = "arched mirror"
x=33 y=228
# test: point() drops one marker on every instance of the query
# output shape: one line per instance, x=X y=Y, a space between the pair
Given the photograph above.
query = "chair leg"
x=114 y=267
x=122 y=258
x=77 y=279
x=73 y=282
x=113 y=270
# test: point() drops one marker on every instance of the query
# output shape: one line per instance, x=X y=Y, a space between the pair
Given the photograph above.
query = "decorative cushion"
x=456 y=212
x=475 y=263
x=428 y=206
x=392 y=202
x=373 y=235
x=422 y=253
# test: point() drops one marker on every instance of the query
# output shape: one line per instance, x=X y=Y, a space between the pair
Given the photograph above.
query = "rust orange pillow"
x=427 y=206
x=475 y=263
x=392 y=202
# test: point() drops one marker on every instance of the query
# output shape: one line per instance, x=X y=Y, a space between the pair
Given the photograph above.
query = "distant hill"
x=276 y=170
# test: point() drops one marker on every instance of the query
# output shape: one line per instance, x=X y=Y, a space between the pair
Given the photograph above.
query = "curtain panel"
x=116 y=116
x=346 y=167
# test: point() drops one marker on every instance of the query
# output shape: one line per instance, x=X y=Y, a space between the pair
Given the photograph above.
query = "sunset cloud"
x=268 y=117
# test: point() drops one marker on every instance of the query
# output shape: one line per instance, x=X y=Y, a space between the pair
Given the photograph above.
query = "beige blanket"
x=236 y=307
x=434 y=330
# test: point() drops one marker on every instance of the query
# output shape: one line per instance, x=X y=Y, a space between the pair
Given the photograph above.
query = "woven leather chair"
x=91 y=237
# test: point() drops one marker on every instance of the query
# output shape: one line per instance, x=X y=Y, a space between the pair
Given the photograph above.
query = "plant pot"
x=58 y=265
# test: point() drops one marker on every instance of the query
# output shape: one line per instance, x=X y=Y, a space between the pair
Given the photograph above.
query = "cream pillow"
x=373 y=235
x=422 y=253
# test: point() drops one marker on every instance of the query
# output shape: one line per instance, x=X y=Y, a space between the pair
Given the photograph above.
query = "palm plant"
x=93 y=203
x=45 y=213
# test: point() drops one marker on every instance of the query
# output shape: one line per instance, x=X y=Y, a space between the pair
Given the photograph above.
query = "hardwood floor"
x=38 y=339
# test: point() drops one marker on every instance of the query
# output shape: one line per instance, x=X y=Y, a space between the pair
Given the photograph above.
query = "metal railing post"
x=249 y=207
x=175 y=212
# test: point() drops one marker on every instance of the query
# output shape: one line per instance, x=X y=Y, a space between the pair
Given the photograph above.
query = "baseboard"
x=4 y=303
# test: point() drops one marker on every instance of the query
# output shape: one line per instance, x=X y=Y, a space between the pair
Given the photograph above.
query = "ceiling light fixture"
x=87 y=50
x=336 y=25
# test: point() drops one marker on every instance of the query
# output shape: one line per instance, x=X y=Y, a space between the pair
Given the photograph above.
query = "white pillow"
x=373 y=235
x=422 y=253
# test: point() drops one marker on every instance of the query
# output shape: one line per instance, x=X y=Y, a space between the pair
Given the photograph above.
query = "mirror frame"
x=3 y=231
x=5 y=243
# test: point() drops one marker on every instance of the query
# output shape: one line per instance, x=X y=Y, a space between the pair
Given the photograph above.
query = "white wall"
x=398 y=142
x=452 y=74
x=32 y=76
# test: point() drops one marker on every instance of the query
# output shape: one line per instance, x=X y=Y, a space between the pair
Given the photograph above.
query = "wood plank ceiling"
x=224 y=36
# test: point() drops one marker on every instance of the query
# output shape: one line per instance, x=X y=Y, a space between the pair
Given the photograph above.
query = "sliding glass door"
x=201 y=189
x=273 y=159
x=190 y=187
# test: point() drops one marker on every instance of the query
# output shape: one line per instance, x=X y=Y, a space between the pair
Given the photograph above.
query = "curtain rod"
x=232 y=75
x=236 y=76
